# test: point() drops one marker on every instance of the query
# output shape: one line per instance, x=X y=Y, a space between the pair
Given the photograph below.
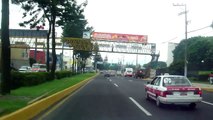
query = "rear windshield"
x=176 y=81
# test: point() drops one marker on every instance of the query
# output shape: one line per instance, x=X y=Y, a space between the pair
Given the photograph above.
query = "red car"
x=173 y=89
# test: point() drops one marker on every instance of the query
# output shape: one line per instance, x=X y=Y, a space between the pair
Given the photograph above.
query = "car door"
x=155 y=87
x=151 y=86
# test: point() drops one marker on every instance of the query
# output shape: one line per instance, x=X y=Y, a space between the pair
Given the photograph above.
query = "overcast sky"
x=156 y=18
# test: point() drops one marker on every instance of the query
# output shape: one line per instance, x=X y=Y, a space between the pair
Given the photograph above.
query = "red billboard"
x=119 y=37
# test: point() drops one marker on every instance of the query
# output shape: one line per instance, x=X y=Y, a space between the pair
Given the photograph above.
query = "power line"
x=188 y=32
x=199 y=29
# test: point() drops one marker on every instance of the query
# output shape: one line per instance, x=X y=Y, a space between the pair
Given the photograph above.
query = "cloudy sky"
x=158 y=19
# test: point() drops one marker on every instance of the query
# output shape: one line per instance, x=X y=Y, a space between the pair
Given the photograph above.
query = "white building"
x=171 y=47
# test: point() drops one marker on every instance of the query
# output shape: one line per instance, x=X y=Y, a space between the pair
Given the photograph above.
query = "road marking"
x=130 y=80
x=207 y=103
x=140 y=107
x=115 y=84
x=110 y=80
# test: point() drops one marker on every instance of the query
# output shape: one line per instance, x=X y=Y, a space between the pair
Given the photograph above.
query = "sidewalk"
x=203 y=86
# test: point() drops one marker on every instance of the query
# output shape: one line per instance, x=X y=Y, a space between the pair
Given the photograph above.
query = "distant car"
x=36 y=67
x=112 y=72
x=24 y=69
x=173 y=89
x=128 y=72
x=139 y=74
x=106 y=74
x=119 y=73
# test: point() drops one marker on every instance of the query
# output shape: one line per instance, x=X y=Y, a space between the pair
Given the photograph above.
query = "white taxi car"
x=173 y=89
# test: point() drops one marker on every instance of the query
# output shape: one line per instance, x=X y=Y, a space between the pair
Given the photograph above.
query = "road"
x=122 y=98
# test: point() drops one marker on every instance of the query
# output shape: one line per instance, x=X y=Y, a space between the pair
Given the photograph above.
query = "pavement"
x=204 y=86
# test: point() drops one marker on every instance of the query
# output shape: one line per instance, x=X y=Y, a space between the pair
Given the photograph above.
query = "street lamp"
x=186 y=22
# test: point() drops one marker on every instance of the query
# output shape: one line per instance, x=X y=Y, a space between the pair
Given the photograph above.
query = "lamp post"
x=185 y=49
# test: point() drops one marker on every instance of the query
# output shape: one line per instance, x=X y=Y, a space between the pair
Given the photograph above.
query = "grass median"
x=21 y=97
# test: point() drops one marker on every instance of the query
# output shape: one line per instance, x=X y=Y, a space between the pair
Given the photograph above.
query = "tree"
x=5 y=48
x=199 y=54
x=40 y=10
x=156 y=65
x=74 y=24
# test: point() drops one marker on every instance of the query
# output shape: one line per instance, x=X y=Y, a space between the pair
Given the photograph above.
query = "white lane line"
x=130 y=80
x=207 y=102
x=140 y=107
x=110 y=80
x=115 y=84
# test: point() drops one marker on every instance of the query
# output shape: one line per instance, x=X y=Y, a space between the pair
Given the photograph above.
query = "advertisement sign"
x=115 y=37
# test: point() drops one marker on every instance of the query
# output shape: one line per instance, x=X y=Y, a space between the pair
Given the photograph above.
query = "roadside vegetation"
x=23 y=96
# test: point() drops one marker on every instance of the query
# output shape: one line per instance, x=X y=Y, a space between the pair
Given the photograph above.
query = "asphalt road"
x=122 y=98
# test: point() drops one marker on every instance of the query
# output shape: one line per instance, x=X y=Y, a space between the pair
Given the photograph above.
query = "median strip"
x=35 y=108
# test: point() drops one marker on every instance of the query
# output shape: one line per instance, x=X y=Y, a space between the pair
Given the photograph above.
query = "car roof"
x=170 y=76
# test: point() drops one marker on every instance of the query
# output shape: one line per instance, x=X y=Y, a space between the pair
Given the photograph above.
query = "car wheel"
x=147 y=96
x=158 y=103
x=192 y=105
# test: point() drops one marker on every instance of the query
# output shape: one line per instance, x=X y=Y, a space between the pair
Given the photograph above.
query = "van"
x=36 y=67
x=128 y=72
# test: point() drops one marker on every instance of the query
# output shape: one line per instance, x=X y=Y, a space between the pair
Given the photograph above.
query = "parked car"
x=36 y=67
x=139 y=73
x=173 y=89
x=24 y=69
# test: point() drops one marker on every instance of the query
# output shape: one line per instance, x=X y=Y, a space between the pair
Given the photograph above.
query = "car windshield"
x=176 y=81
x=23 y=67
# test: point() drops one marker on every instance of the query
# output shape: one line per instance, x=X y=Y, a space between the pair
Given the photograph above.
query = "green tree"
x=199 y=54
x=156 y=65
x=74 y=24
x=40 y=10
x=5 y=49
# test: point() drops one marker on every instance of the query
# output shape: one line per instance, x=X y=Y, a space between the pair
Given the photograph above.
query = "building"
x=171 y=47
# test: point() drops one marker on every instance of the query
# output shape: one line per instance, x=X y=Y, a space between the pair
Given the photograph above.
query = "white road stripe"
x=115 y=84
x=140 y=107
x=130 y=80
x=207 y=103
x=110 y=80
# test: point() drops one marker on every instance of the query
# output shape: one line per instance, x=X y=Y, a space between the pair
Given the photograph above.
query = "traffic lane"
x=207 y=96
x=135 y=88
x=98 y=100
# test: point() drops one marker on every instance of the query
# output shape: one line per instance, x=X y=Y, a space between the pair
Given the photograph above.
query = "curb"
x=35 y=108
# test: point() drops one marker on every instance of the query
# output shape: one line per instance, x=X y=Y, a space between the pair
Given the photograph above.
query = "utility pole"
x=185 y=49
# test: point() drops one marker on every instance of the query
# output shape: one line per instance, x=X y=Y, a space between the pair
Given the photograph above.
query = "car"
x=139 y=73
x=173 y=89
x=106 y=74
x=36 y=67
x=128 y=72
x=24 y=69
x=118 y=73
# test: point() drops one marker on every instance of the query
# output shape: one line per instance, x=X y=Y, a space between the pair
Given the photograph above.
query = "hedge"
x=34 y=78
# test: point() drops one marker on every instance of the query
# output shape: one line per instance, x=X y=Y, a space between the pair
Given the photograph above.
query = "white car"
x=24 y=69
x=173 y=89
x=39 y=67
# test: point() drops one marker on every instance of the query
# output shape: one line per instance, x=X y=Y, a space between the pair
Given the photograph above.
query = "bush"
x=28 y=79
x=34 y=78
x=63 y=74
x=16 y=78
